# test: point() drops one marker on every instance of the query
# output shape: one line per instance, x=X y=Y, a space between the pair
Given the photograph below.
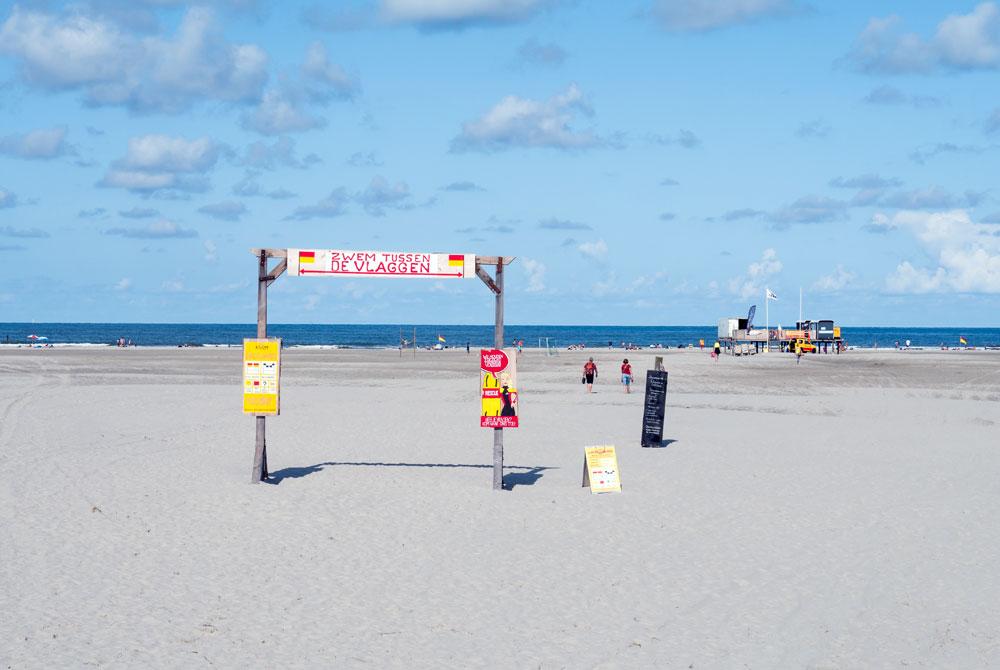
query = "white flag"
x=770 y=295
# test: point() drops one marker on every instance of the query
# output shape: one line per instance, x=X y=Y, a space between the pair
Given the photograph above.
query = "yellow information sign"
x=600 y=469
x=261 y=375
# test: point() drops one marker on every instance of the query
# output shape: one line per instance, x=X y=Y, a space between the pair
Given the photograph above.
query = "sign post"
x=654 y=408
x=345 y=263
x=496 y=285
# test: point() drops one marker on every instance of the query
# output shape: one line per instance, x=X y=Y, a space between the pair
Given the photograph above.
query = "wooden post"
x=414 y=342
x=498 y=344
x=260 y=447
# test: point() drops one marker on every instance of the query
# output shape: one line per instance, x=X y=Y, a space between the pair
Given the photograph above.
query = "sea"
x=390 y=336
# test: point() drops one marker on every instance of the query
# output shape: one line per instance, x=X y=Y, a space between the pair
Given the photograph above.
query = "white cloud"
x=271 y=156
x=278 y=113
x=381 y=195
x=684 y=138
x=753 y=283
x=457 y=13
x=162 y=153
x=111 y=67
x=992 y=124
x=155 y=162
x=815 y=128
x=880 y=223
x=43 y=143
x=155 y=231
x=967 y=254
x=533 y=52
x=10 y=231
x=700 y=15
x=536 y=275
x=835 y=281
x=961 y=42
x=595 y=250
x=210 y=251
x=335 y=80
x=124 y=284
x=810 y=209
x=224 y=211
x=329 y=207
x=520 y=122
x=553 y=223
x=7 y=199
x=932 y=197
x=890 y=95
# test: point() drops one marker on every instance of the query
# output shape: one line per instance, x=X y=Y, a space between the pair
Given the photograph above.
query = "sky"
x=648 y=162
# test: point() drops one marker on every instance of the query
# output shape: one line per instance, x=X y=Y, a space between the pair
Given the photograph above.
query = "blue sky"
x=648 y=162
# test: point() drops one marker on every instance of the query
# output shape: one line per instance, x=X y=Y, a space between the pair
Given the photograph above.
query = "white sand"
x=842 y=513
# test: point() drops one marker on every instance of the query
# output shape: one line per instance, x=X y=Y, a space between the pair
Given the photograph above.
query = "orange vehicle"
x=804 y=345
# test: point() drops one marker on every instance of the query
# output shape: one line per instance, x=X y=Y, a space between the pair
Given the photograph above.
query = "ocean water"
x=379 y=336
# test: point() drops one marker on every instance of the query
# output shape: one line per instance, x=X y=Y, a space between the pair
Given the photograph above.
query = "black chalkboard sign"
x=654 y=408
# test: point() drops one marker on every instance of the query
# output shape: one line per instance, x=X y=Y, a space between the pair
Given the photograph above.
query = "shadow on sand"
x=662 y=444
x=510 y=480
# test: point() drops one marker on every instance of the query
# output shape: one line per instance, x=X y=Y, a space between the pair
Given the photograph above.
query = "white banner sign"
x=343 y=263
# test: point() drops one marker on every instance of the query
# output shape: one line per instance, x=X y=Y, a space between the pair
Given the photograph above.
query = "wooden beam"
x=494 y=260
x=488 y=280
x=278 y=270
x=271 y=253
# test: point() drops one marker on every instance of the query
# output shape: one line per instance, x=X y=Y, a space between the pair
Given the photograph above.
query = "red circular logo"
x=493 y=360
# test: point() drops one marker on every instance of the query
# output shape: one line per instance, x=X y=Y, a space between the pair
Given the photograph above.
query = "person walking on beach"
x=627 y=376
x=798 y=352
x=589 y=374
x=716 y=351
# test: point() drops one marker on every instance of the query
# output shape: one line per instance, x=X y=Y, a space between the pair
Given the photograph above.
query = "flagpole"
x=800 y=304
x=767 y=319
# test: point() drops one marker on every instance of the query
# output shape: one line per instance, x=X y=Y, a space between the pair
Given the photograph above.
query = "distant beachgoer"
x=627 y=376
x=701 y=344
x=798 y=352
x=907 y=344
x=466 y=347
x=716 y=351
x=589 y=374
x=897 y=344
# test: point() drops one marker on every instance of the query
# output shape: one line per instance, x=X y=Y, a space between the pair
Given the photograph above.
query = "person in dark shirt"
x=590 y=374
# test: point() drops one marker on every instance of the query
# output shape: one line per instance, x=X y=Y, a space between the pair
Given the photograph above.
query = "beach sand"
x=840 y=513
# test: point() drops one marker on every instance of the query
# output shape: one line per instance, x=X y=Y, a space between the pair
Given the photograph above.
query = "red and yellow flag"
x=307 y=257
